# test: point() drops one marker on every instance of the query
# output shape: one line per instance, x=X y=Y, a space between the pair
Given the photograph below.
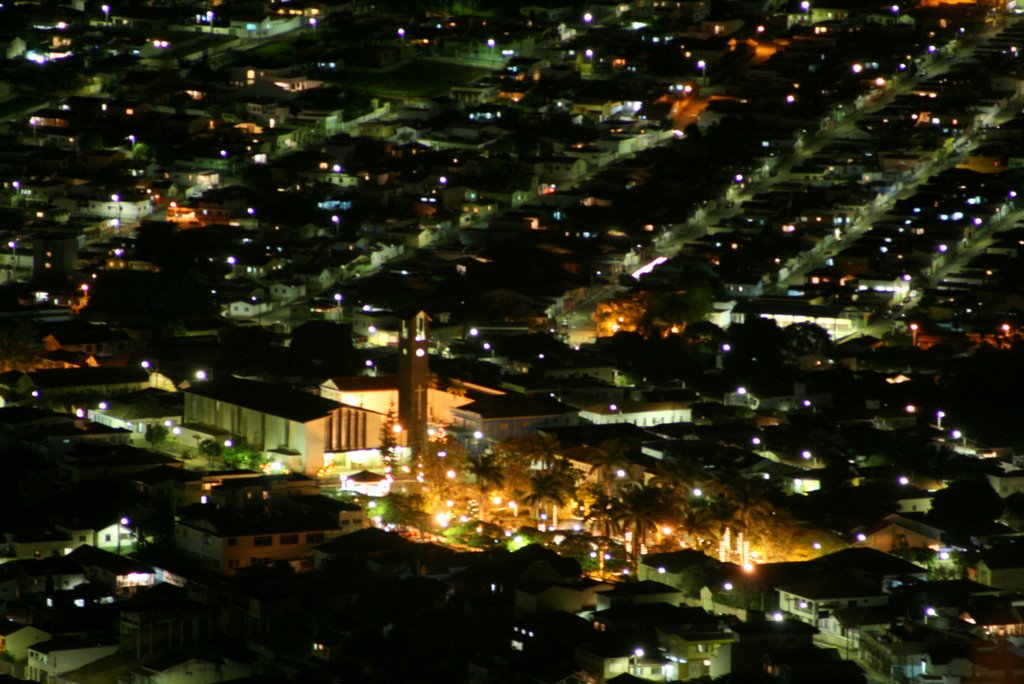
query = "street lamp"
x=14 y=257
x=123 y=522
x=939 y=415
x=106 y=13
x=312 y=23
x=703 y=66
x=634 y=658
x=914 y=327
x=117 y=204
x=337 y=305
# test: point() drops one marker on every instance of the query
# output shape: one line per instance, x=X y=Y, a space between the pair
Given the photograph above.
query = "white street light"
x=637 y=654
x=116 y=199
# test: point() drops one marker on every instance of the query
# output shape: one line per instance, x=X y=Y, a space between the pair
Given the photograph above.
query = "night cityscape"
x=512 y=341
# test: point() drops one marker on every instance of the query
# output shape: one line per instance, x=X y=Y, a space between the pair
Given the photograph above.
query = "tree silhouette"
x=389 y=441
x=487 y=476
x=19 y=347
x=640 y=509
x=804 y=339
x=156 y=434
x=602 y=519
x=606 y=461
x=965 y=506
x=547 y=488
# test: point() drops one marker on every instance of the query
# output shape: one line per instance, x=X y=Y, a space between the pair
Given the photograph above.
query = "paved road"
x=581 y=328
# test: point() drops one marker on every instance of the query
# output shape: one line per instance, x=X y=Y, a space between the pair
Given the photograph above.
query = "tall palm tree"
x=603 y=520
x=546 y=488
x=681 y=477
x=487 y=475
x=546 y=450
x=641 y=508
x=606 y=461
x=748 y=501
x=701 y=526
x=603 y=517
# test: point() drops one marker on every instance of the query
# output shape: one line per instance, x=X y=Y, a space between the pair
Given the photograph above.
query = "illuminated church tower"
x=413 y=379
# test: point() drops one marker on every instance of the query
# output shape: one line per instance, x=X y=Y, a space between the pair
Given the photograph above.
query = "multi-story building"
x=227 y=541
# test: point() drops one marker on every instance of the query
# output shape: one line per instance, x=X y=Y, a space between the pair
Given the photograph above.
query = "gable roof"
x=514 y=406
x=1008 y=554
x=90 y=556
x=835 y=585
x=274 y=400
x=79 y=377
x=868 y=560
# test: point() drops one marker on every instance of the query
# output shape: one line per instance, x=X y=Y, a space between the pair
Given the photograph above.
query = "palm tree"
x=488 y=475
x=641 y=507
x=682 y=477
x=749 y=505
x=546 y=487
x=603 y=520
x=606 y=461
x=701 y=526
x=546 y=450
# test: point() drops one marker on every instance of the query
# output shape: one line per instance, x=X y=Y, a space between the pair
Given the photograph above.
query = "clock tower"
x=413 y=378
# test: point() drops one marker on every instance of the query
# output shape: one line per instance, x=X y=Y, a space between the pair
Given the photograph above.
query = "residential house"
x=49 y=661
x=15 y=638
x=810 y=601
x=498 y=417
x=227 y=541
x=639 y=413
x=114 y=536
x=287 y=290
x=684 y=570
x=93 y=339
x=139 y=411
x=18 y=578
x=896 y=532
x=757 y=638
x=608 y=660
x=104 y=381
x=94 y=462
x=117 y=573
x=1002 y=566
x=1007 y=483
x=633 y=593
x=31 y=544
x=175 y=667
x=542 y=596
x=182 y=488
